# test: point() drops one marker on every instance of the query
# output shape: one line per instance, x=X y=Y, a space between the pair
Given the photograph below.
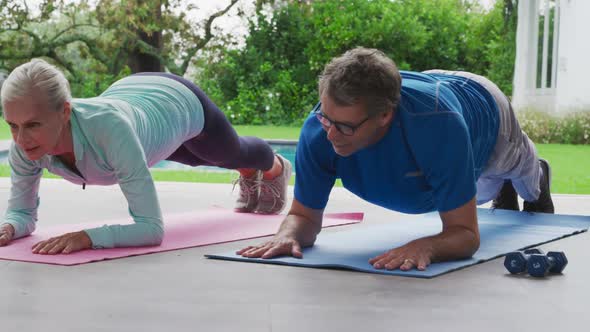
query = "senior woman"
x=113 y=139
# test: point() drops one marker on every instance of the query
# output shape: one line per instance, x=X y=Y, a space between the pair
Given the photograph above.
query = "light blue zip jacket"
x=117 y=136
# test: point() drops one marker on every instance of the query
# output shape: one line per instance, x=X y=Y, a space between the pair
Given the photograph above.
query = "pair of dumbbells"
x=535 y=262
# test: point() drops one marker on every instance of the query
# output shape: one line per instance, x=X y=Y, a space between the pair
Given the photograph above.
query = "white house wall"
x=569 y=91
x=573 y=66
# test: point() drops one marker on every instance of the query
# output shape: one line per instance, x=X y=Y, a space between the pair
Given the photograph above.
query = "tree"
x=273 y=77
x=103 y=43
x=151 y=36
x=24 y=36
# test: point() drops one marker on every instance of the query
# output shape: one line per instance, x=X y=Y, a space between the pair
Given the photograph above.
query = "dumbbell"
x=541 y=265
x=516 y=261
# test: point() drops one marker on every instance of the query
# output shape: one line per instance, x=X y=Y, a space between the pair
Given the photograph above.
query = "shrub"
x=541 y=127
x=272 y=78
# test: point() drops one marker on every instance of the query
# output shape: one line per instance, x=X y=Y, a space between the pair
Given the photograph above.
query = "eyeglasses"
x=344 y=129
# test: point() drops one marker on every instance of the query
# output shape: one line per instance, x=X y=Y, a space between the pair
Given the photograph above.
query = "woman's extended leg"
x=219 y=145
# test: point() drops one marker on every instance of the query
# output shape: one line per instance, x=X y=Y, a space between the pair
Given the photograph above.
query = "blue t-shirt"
x=439 y=142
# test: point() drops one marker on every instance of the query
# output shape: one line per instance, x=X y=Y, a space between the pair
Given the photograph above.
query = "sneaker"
x=249 y=191
x=273 y=193
x=544 y=203
x=507 y=199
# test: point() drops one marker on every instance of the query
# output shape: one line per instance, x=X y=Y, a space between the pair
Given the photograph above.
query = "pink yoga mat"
x=186 y=230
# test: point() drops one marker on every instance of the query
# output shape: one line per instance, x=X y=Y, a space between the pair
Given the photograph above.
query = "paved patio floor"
x=183 y=291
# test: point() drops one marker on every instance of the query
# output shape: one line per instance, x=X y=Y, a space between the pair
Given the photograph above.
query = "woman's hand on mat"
x=416 y=254
x=6 y=234
x=278 y=246
x=64 y=244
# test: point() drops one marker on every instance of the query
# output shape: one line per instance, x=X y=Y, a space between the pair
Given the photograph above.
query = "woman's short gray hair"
x=37 y=74
x=362 y=75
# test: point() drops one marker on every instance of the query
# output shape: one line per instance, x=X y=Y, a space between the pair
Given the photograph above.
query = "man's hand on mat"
x=416 y=254
x=276 y=247
x=64 y=244
x=6 y=234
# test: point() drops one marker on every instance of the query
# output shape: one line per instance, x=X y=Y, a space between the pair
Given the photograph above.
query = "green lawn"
x=269 y=132
x=570 y=167
x=570 y=163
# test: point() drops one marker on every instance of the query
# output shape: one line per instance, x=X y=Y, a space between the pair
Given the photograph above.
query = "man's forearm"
x=301 y=229
x=453 y=243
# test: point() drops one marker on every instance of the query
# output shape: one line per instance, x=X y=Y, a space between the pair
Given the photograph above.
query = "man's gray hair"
x=40 y=75
x=362 y=75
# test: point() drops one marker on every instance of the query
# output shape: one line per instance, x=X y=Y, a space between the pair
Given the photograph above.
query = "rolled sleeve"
x=25 y=178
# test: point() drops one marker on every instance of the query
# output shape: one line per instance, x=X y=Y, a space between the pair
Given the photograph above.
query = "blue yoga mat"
x=501 y=232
